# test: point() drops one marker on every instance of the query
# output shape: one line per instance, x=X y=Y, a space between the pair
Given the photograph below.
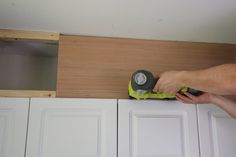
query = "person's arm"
x=218 y=80
x=227 y=105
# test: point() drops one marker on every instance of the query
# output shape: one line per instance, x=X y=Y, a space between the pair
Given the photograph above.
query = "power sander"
x=142 y=84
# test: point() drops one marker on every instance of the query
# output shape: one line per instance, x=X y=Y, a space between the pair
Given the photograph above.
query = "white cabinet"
x=88 y=128
x=72 y=128
x=217 y=132
x=13 y=126
x=157 y=129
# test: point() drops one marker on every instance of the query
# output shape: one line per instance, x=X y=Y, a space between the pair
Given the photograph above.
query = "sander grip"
x=194 y=92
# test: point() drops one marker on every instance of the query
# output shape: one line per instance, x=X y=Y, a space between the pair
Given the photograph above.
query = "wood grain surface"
x=27 y=93
x=28 y=35
x=96 y=67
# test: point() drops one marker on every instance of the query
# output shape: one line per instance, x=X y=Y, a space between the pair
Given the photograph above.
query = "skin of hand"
x=191 y=99
x=169 y=82
x=219 y=80
x=226 y=104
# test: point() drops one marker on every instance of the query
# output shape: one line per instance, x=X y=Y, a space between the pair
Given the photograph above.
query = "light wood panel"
x=102 y=67
x=27 y=93
x=28 y=35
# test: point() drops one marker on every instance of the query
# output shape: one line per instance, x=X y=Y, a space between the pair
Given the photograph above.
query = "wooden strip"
x=27 y=93
x=94 y=67
x=28 y=35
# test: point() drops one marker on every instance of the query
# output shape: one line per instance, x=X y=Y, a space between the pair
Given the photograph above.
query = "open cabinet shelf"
x=28 y=64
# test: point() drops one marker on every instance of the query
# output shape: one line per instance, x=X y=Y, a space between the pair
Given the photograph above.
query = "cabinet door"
x=217 y=132
x=157 y=129
x=13 y=126
x=72 y=128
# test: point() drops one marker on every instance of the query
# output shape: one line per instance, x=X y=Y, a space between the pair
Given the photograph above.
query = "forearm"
x=219 y=80
x=227 y=105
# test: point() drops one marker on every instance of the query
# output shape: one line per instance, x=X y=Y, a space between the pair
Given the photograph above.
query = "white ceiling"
x=183 y=20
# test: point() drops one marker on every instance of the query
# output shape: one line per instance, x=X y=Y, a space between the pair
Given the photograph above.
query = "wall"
x=181 y=20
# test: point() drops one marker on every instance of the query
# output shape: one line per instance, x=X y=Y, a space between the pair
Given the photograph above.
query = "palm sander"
x=142 y=84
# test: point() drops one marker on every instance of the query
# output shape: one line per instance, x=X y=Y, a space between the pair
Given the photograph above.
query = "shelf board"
x=27 y=93
x=28 y=35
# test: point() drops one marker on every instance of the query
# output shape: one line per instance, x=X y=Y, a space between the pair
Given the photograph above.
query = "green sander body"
x=142 y=84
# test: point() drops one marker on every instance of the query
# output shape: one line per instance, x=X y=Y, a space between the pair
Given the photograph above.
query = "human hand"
x=169 y=82
x=191 y=99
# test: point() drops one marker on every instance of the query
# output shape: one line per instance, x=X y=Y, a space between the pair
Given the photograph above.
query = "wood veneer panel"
x=95 y=67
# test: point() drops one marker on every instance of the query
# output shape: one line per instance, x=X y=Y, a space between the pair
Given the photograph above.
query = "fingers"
x=189 y=98
x=168 y=82
x=157 y=87
x=190 y=95
x=162 y=87
x=184 y=99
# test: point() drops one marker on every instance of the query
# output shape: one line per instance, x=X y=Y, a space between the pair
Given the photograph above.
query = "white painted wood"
x=13 y=126
x=72 y=128
x=157 y=129
x=188 y=20
x=217 y=132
